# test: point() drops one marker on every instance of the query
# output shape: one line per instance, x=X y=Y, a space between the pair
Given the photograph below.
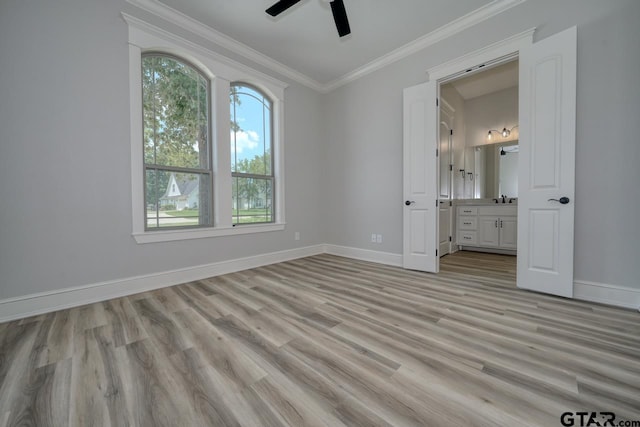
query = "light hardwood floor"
x=325 y=341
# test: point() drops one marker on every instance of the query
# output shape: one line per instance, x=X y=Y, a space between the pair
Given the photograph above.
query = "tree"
x=175 y=114
x=250 y=188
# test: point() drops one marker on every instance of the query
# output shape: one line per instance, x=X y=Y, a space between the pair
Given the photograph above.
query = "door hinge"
x=437 y=203
x=451 y=167
x=450 y=203
x=449 y=238
x=436 y=252
x=451 y=132
x=437 y=104
x=437 y=152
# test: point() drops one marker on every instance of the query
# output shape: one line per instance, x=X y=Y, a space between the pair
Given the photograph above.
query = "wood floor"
x=325 y=341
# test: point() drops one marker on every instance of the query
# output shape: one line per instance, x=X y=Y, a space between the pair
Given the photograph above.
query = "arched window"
x=177 y=149
x=251 y=155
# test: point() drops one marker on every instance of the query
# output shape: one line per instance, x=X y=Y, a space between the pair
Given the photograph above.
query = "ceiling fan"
x=337 y=8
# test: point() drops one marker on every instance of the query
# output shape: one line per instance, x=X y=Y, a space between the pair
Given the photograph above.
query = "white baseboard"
x=365 y=255
x=607 y=294
x=44 y=302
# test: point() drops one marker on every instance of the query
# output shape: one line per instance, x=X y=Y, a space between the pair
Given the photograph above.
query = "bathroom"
x=479 y=162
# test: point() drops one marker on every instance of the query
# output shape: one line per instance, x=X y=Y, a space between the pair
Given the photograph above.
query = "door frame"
x=477 y=61
x=556 y=49
x=427 y=95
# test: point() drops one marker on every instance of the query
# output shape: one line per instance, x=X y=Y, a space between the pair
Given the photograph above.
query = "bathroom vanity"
x=487 y=227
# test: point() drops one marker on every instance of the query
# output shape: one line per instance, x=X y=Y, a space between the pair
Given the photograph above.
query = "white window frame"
x=265 y=176
x=221 y=71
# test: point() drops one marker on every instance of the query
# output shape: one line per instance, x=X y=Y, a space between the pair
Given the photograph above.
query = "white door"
x=445 y=228
x=547 y=168
x=420 y=178
x=445 y=165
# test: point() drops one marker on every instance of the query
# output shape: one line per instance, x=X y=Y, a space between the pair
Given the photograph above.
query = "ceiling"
x=492 y=80
x=304 y=40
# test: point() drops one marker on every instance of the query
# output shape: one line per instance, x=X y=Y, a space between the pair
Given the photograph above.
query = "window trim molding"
x=221 y=71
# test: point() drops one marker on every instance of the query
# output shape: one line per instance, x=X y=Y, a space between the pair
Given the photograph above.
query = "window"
x=251 y=159
x=184 y=134
x=177 y=165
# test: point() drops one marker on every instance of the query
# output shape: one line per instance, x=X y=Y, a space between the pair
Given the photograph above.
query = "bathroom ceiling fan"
x=337 y=8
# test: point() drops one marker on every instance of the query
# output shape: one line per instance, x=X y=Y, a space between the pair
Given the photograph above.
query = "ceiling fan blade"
x=280 y=7
x=340 y=16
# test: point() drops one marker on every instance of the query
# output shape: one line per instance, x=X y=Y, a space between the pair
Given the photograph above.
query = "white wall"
x=365 y=139
x=65 y=202
x=493 y=111
x=65 y=192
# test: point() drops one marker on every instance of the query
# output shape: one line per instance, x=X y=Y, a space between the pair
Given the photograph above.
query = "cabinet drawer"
x=467 y=238
x=467 y=210
x=467 y=223
x=498 y=210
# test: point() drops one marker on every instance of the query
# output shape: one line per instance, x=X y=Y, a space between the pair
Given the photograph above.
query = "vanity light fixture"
x=505 y=132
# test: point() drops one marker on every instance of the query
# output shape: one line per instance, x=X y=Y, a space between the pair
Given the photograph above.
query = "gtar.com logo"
x=594 y=419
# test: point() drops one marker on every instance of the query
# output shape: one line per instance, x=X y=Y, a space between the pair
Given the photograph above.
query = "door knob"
x=562 y=200
x=408 y=203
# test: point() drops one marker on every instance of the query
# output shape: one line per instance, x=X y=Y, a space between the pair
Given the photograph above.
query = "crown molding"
x=169 y=14
x=475 y=17
x=456 y=26
x=221 y=60
x=494 y=54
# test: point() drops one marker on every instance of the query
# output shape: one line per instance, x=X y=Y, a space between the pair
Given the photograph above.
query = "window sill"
x=173 y=235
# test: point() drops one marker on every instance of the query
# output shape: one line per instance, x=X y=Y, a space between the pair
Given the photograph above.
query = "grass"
x=187 y=213
x=245 y=216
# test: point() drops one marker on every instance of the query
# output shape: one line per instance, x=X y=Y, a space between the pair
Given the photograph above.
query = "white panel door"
x=445 y=228
x=420 y=178
x=445 y=165
x=547 y=170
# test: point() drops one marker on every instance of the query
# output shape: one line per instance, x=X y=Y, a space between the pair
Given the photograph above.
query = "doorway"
x=546 y=175
x=478 y=139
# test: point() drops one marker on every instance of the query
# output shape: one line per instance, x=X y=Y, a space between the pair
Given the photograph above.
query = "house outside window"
x=178 y=174
x=251 y=155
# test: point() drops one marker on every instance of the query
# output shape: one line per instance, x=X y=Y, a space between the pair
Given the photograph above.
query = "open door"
x=546 y=178
x=420 y=178
x=445 y=218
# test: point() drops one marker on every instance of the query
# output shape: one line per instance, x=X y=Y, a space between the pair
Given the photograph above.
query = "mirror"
x=491 y=170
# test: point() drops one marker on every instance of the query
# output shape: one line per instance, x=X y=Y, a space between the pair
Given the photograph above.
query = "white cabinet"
x=488 y=232
x=509 y=232
x=487 y=226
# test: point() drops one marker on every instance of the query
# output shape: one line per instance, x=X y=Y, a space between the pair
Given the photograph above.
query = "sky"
x=251 y=140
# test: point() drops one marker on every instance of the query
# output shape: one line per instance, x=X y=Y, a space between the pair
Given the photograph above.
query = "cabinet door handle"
x=496 y=223
x=500 y=223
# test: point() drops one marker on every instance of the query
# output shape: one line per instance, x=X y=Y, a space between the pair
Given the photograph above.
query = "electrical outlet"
x=296 y=235
x=379 y=238
x=373 y=238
